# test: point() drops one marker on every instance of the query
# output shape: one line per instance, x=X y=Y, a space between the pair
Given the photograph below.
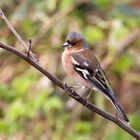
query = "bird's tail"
x=117 y=106
x=100 y=82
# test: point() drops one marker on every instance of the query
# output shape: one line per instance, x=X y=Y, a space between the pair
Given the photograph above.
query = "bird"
x=81 y=64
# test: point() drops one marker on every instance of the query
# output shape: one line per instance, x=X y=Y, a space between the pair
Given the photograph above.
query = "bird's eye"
x=69 y=42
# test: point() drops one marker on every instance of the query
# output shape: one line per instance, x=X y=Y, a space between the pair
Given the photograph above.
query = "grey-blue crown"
x=73 y=35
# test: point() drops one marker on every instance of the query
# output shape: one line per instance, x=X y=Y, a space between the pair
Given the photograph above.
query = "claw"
x=67 y=88
x=90 y=93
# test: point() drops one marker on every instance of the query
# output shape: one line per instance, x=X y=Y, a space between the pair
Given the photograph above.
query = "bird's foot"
x=67 y=88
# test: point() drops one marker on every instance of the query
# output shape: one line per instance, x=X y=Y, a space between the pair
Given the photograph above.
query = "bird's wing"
x=90 y=71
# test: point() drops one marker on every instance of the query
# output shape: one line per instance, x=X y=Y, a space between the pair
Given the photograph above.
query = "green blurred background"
x=31 y=106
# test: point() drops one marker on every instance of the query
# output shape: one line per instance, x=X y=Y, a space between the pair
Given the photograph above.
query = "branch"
x=72 y=93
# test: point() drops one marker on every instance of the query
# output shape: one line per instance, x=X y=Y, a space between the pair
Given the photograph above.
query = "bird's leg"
x=70 y=91
x=73 y=87
x=77 y=88
x=90 y=93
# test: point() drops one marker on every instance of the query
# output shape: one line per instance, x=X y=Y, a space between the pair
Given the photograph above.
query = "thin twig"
x=2 y=15
x=72 y=93
x=29 y=47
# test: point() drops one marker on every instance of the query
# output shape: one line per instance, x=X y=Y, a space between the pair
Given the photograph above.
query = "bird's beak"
x=66 y=44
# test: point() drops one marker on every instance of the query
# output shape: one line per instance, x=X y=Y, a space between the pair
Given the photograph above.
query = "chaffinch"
x=79 y=62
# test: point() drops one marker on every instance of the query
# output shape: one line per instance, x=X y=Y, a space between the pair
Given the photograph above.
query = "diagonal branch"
x=2 y=15
x=72 y=93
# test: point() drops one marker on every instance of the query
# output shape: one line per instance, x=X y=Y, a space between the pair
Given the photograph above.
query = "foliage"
x=31 y=107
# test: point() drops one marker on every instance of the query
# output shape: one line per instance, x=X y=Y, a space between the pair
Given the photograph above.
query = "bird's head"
x=75 y=40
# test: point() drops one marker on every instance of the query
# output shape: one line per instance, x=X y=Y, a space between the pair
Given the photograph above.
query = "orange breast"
x=68 y=67
x=66 y=62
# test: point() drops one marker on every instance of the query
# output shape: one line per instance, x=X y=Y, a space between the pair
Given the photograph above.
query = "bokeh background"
x=31 y=106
